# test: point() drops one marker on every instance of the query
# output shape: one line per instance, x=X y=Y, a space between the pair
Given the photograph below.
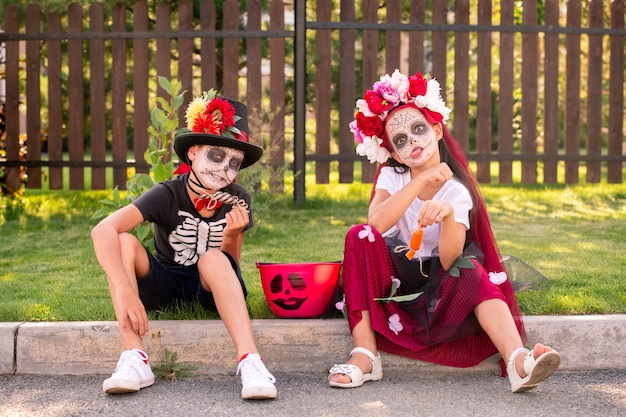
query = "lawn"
x=571 y=235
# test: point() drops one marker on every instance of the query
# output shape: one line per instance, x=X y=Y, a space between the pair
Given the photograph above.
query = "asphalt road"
x=594 y=393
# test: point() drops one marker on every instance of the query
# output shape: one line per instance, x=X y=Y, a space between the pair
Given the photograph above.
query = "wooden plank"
x=277 y=96
x=230 y=59
x=616 y=94
x=118 y=95
x=530 y=73
x=163 y=46
x=392 y=37
x=505 y=98
x=208 y=60
x=572 y=92
x=97 y=108
x=551 y=92
x=254 y=86
x=33 y=94
x=347 y=82
x=141 y=68
x=185 y=57
x=76 y=121
x=370 y=74
x=594 y=91
x=12 y=98
x=416 y=37
x=483 y=81
x=460 y=112
x=440 y=45
x=55 y=102
x=323 y=101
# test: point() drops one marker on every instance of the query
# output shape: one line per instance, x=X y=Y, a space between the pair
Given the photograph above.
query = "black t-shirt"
x=181 y=234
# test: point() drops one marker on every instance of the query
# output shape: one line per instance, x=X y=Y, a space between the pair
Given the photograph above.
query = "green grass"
x=573 y=235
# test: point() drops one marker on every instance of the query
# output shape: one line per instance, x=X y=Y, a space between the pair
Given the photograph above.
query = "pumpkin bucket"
x=299 y=290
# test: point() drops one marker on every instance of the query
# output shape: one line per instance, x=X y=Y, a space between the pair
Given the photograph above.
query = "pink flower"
x=498 y=278
x=356 y=132
x=339 y=305
x=367 y=233
x=394 y=323
x=387 y=92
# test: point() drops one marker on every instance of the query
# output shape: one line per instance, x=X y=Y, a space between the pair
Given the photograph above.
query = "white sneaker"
x=132 y=373
x=258 y=383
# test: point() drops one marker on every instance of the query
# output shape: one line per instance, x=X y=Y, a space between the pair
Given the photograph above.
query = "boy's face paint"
x=414 y=140
x=216 y=166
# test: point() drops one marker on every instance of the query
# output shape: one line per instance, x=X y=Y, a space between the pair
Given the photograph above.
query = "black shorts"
x=164 y=286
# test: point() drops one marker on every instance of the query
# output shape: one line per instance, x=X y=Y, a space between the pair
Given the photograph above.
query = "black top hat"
x=252 y=153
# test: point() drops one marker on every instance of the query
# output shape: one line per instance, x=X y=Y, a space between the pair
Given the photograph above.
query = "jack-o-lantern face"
x=285 y=288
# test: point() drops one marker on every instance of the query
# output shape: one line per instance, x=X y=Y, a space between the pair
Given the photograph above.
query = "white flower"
x=361 y=104
x=497 y=278
x=372 y=150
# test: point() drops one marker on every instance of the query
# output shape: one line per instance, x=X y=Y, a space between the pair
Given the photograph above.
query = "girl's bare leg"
x=363 y=336
x=495 y=318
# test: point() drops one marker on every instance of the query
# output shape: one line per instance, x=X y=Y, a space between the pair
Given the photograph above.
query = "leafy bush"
x=164 y=123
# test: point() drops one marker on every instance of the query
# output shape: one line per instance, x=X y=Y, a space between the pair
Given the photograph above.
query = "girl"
x=446 y=299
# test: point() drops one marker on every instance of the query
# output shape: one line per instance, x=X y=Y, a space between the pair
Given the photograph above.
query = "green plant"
x=168 y=368
x=164 y=123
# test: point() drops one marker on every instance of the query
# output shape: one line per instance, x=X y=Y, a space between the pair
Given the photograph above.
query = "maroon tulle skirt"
x=440 y=325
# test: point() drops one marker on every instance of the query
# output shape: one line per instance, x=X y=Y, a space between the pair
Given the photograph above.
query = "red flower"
x=417 y=85
x=376 y=103
x=369 y=126
x=218 y=115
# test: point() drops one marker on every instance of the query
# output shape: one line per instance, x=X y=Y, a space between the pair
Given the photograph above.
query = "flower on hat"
x=389 y=92
x=213 y=115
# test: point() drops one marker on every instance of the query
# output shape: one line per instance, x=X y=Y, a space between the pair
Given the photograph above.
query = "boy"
x=199 y=222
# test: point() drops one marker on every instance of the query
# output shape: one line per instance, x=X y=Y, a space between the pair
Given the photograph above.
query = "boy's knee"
x=129 y=241
x=213 y=258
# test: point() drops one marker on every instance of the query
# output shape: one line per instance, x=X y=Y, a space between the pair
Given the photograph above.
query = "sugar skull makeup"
x=216 y=166
x=412 y=137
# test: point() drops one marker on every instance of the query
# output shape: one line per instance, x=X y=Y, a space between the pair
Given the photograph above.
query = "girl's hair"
x=459 y=168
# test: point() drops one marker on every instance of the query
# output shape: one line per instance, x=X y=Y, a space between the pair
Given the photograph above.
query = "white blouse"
x=452 y=191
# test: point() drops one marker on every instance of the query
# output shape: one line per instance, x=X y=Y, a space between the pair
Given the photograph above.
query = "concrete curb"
x=302 y=345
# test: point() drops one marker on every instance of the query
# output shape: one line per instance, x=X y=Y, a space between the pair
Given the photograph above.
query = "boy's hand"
x=134 y=311
x=236 y=220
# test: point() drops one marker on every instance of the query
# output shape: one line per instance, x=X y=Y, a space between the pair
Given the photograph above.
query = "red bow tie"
x=206 y=203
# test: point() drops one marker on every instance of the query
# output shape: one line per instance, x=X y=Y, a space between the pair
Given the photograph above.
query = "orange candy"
x=416 y=242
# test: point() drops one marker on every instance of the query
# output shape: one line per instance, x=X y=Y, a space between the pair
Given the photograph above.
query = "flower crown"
x=386 y=95
x=213 y=115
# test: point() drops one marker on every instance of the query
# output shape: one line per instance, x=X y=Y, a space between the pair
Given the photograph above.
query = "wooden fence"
x=540 y=88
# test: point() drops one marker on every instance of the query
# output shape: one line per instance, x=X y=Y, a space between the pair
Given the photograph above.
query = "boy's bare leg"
x=218 y=277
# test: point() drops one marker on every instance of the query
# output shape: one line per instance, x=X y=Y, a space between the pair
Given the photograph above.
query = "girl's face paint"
x=414 y=140
x=215 y=166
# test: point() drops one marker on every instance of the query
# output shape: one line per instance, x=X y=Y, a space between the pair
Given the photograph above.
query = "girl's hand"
x=434 y=211
x=439 y=173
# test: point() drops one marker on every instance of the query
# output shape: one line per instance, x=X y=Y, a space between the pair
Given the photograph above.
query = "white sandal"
x=536 y=369
x=356 y=375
